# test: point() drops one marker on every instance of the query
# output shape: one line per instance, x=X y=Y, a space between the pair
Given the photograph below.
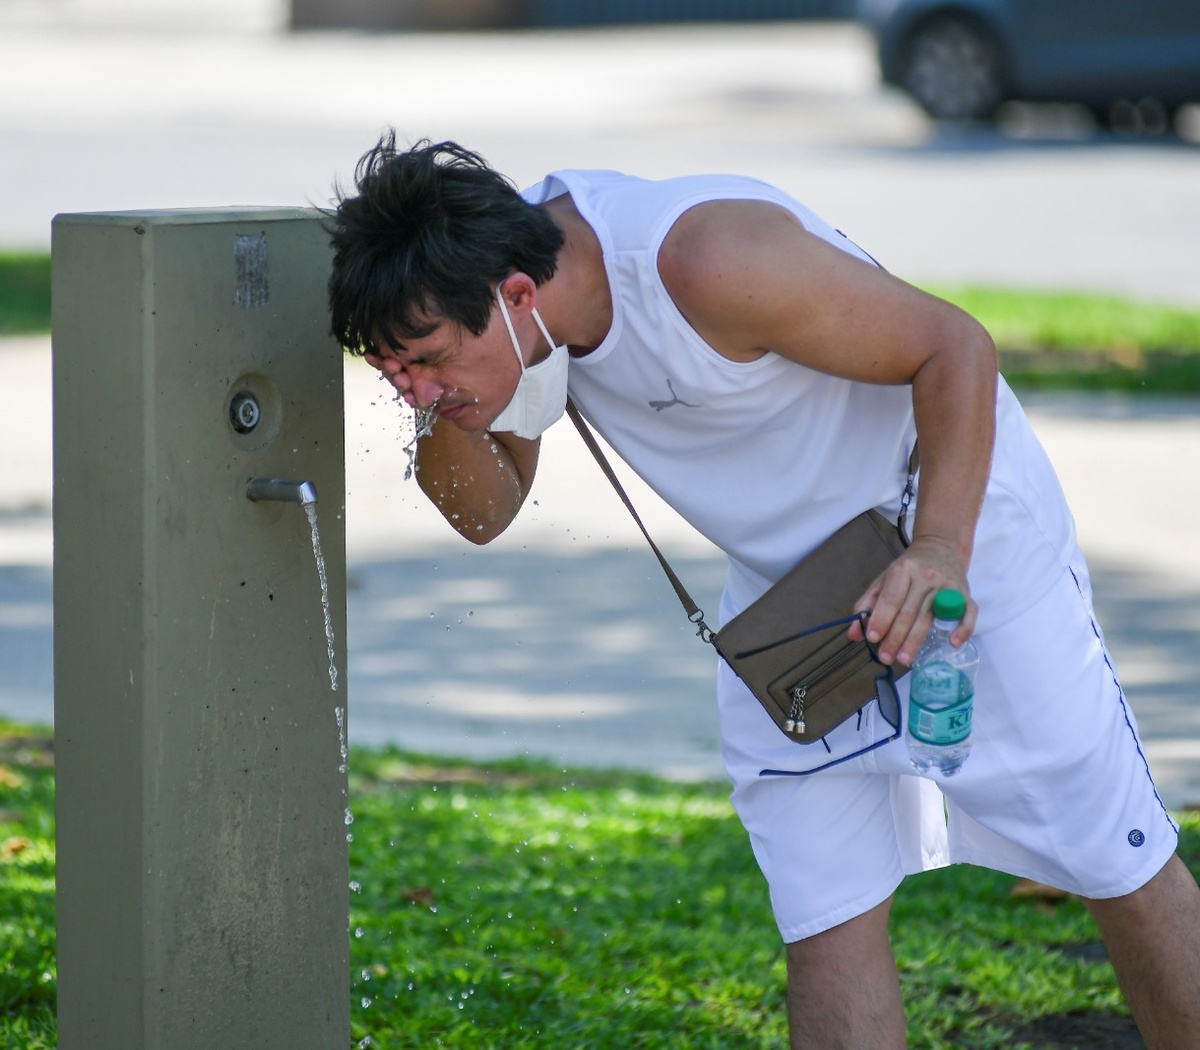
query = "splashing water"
x=423 y=419
x=311 y=510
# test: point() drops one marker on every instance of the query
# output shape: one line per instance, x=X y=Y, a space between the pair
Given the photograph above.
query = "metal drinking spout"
x=302 y=492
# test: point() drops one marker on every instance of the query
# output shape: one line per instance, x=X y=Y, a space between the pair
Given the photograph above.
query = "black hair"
x=430 y=233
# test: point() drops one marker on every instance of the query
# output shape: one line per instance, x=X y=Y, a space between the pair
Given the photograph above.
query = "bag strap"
x=694 y=613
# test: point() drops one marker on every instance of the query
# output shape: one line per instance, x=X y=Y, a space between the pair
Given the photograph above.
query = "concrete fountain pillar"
x=202 y=859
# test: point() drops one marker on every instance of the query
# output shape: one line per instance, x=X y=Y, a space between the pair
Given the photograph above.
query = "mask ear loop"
x=545 y=332
x=512 y=335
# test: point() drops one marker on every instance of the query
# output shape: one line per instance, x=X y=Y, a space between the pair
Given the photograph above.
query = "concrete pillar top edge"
x=187 y=216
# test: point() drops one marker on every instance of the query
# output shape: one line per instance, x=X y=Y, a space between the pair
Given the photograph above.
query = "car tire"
x=1146 y=117
x=952 y=66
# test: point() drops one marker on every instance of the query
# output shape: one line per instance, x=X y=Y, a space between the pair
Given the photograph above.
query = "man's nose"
x=423 y=388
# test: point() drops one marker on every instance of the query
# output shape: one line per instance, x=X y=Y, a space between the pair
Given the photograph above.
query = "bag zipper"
x=799 y=692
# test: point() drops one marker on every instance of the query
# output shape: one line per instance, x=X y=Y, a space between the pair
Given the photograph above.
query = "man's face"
x=467 y=378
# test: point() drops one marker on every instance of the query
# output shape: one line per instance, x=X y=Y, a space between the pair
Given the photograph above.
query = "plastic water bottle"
x=942 y=692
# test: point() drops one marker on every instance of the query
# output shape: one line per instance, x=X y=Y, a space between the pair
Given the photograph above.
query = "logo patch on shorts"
x=1136 y=837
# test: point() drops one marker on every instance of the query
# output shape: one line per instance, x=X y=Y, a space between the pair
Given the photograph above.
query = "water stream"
x=343 y=744
x=311 y=510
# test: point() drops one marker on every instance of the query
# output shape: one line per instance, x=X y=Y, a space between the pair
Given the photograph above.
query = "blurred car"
x=1132 y=62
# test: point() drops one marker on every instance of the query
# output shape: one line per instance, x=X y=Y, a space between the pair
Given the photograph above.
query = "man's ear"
x=520 y=294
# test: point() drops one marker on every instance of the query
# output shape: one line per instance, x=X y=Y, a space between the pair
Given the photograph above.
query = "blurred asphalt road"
x=576 y=649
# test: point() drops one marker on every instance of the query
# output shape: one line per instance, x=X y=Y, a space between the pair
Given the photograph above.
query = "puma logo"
x=658 y=406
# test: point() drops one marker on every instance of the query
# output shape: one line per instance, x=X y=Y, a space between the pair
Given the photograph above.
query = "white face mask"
x=541 y=394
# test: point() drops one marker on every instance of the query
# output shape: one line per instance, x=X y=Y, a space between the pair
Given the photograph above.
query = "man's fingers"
x=902 y=641
x=900 y=602
x=907 y=650
x=892 y=617
x=967 y=627
x=865 y=604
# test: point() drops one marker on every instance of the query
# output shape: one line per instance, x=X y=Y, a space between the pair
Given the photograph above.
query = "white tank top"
x=768 y=458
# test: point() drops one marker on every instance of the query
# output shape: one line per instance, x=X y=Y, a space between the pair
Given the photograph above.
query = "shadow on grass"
x=1081 y=1031
x=1089 y=371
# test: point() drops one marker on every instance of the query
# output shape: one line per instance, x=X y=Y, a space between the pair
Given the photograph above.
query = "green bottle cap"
x=949 y=605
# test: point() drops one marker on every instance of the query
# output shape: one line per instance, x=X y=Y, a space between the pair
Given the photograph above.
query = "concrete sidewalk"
x=562 y=639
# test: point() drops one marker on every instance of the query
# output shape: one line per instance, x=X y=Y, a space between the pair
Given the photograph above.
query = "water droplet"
x=358 y=931
x=349 y=818
x=365 y=1002
x=355 y=886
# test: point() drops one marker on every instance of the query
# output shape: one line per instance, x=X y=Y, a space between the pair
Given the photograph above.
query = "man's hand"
x=901 y=600
x=391 y=370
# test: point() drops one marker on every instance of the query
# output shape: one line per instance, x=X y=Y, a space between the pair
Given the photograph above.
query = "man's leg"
x=1153 y=939
x=843 y=991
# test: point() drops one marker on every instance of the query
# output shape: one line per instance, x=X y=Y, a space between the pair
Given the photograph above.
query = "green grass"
x=1072 y=340
x=1047 y=339
x=1028 y=319
x=27 y=970
x=24 y=293
x=520 y=905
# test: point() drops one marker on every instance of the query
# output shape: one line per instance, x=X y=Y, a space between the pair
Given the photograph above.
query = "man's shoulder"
x=603 y=182
x=703 y=236
x=641 y=212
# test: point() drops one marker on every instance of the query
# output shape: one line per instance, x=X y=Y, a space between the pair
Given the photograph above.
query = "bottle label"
x=940 y=705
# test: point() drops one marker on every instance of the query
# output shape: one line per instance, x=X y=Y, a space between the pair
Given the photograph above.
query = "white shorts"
x=1056 y=789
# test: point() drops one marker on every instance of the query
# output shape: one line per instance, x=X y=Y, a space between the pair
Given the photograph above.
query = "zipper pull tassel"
x=795 y=719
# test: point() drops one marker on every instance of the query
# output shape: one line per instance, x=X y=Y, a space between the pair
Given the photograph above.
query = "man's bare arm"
x=478 y=480
x=752 y=281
